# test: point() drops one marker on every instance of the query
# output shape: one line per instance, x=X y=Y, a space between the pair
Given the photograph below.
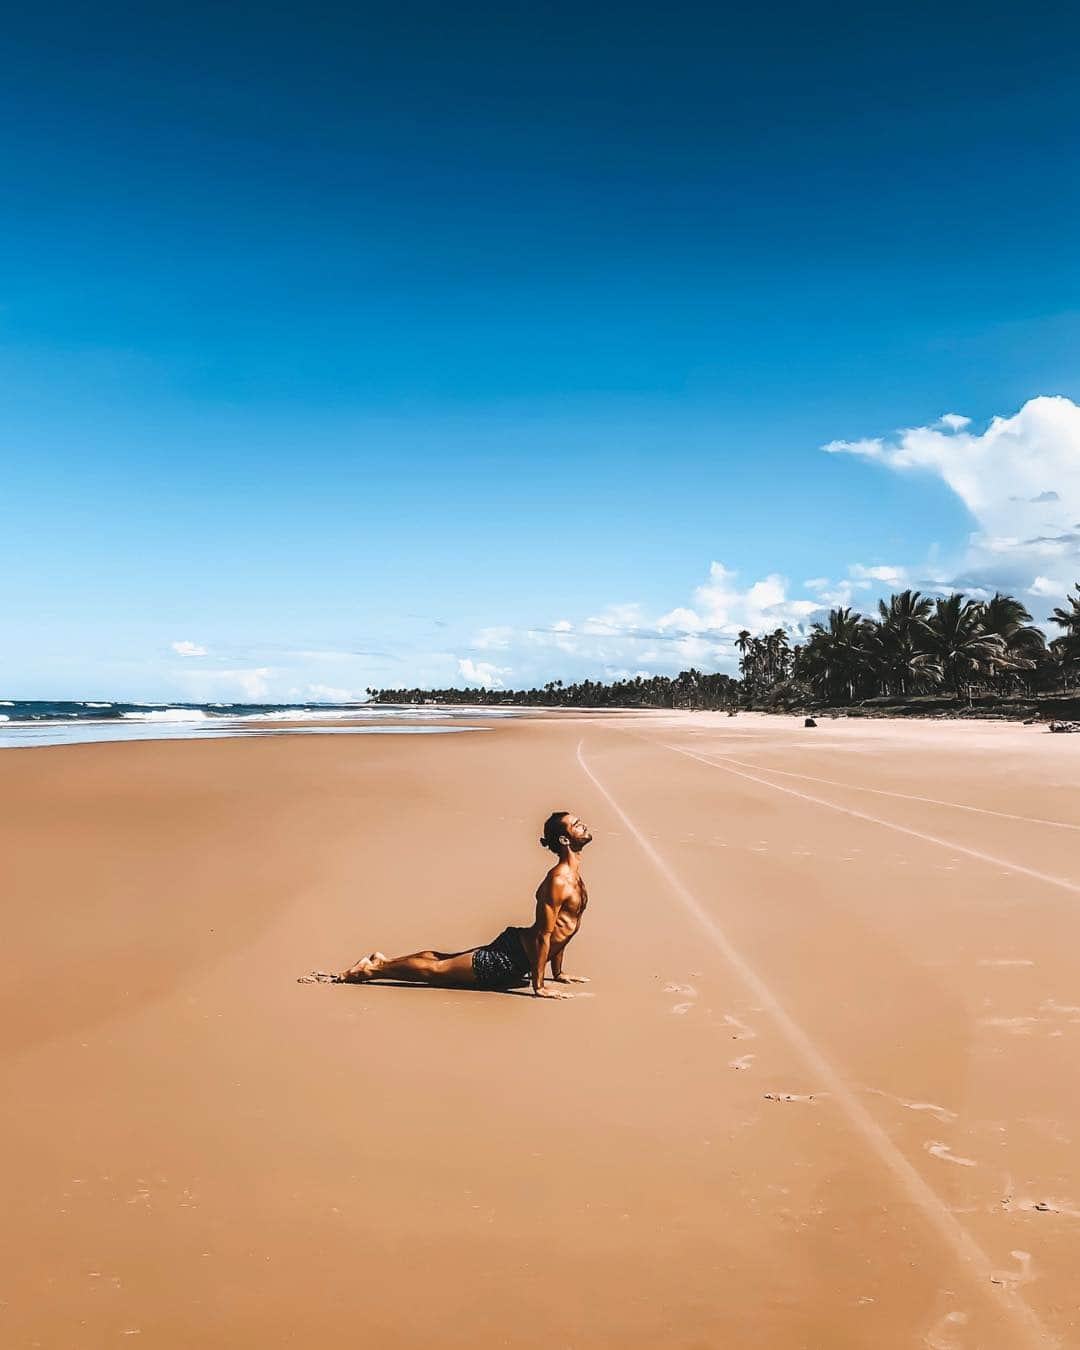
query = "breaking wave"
x=168 y=715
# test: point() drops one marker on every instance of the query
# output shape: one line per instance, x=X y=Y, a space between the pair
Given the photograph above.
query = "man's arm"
x=547 y=912
x=556 y=965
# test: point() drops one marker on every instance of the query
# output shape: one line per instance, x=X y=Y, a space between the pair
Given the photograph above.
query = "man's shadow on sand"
x=525 y=992
x=323 y=977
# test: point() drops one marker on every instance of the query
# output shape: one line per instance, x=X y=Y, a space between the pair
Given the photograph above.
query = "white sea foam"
x=167 y=715
x=308 y=714
x=3 y=716
x=6 y=703
x=90 y=732
x=87 y=704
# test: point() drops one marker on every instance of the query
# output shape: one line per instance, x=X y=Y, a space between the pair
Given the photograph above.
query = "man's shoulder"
x=561 y=877
x=554 y=876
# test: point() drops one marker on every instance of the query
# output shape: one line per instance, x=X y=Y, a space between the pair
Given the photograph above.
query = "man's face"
x=577 y=832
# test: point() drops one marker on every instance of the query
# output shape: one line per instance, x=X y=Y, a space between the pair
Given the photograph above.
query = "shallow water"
x=23 y=735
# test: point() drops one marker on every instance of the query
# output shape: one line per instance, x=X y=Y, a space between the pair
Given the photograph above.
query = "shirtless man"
x=518 y=955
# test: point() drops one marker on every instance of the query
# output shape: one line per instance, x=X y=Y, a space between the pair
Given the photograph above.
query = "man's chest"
x=573 y=907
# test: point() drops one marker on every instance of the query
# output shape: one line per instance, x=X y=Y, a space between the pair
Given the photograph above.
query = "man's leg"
x=418 y=968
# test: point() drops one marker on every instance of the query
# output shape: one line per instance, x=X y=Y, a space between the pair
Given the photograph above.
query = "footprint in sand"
x=945 y=1335
x=788 y=1096
x=945 y=1153
x=742 y=1032
x=941 y=1113
x=1051 y=1207
x=1047 y=1206
x=688 y=991
x=1012 y=1278
x=1015 y=1026
x=1001 y=962
x=743 y=1062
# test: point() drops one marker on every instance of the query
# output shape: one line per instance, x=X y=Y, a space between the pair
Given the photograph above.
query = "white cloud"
x=860 y=584
x=252 y=683
x=327 y=693
x=615 y=619
x=891 y=576
x=685 y=620
x=250 y=686
x=1020 y=481
x=188 y=649
x=624 y=638
x=495 y=639
x=720 y=605
x=482 y=673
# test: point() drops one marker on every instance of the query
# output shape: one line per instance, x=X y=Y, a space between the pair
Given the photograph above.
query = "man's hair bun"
x=553 y=827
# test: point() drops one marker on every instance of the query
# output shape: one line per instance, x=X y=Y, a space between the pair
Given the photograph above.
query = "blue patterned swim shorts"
x=502 y=964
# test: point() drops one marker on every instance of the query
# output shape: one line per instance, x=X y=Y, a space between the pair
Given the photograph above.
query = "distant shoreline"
x=32 y=724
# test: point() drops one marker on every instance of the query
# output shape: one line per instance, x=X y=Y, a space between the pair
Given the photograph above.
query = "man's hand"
x=550 y=993
x=571 y=979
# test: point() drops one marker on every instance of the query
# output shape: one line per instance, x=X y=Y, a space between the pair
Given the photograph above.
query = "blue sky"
x=408 y=344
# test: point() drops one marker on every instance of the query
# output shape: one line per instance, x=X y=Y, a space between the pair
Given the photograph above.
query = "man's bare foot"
x=367 y=968
x=550 y=993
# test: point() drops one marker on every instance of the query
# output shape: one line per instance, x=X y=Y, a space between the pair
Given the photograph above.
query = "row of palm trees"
x=688 y=689
x=915 y=645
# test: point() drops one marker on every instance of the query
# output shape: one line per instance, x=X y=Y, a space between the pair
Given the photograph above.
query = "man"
x=518 y=955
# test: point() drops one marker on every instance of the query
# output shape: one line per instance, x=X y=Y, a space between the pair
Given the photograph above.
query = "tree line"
x=689 y=689
x=917 y=645
x=913 y=645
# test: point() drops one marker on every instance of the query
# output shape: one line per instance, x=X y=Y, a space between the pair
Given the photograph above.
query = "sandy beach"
x=821 y=1091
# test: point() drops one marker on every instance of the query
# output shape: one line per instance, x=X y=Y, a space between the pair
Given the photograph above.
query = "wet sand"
x=820 y=1093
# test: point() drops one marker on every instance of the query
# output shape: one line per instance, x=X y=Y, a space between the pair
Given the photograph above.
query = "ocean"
x=39 y=722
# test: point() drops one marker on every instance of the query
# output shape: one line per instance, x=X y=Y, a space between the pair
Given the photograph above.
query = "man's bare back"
x=518 y=955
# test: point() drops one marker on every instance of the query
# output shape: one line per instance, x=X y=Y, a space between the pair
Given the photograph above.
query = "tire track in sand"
x=900 y=796
x=727 y=767
x=976 y=1262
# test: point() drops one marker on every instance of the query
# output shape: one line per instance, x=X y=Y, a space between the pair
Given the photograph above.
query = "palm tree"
x=744 y=643
x=754 y=663
x=899 y=641
x=837 y=656
x=1007 y=617
x=1069 y=619
x=959 y=642
x=1066 y=649
x=1062 y=661
x=779 y=654
x=686 y=684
